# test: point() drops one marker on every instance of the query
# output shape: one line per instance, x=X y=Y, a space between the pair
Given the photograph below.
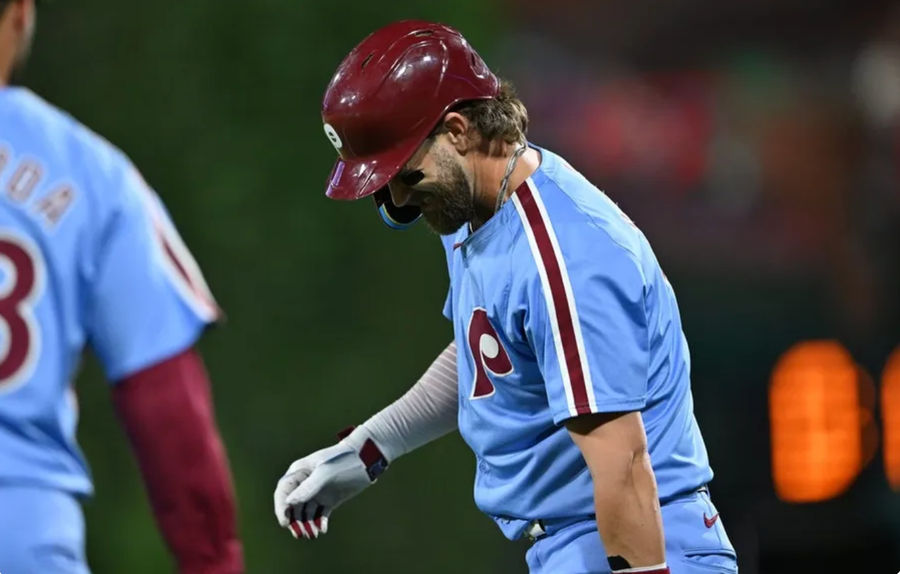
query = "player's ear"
x=459 y=132
x=21 y=14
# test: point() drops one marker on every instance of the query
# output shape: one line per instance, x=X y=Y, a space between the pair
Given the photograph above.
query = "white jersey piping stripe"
x=557 y=289
x=570 y=297
x=189 y=280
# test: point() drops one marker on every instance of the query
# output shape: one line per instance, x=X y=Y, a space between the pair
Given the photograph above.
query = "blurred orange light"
x=816 y=422
x=890 y=416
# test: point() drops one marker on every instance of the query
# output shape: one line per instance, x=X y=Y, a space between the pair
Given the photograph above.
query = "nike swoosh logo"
x=711 y=520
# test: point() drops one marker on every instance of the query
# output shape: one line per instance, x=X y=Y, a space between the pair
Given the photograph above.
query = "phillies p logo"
x=488 y=354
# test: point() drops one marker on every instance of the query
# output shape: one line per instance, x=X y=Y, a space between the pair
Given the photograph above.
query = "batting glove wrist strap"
x=371 y=456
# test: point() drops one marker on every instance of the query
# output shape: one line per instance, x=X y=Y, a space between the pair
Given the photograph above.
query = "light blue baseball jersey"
x=561 y=309
x=88 y=256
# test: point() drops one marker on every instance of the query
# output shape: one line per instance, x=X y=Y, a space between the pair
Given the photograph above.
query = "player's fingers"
x=309 y=524
x=298 y=465
x=285 y=487
x=317 y=519
x=287 y=484
x=307 y=513
x=324 y=521
x=311 y=517
x=304 y=521
x=307 y=489
x=281 y=506
x=294 y=525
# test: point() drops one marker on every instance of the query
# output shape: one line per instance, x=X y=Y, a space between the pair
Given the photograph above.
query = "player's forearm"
x=426 y=412
x=628 y=514
x=167 y=413
x=614 y=446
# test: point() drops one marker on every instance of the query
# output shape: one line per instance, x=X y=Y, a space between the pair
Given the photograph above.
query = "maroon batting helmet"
x=387 y=96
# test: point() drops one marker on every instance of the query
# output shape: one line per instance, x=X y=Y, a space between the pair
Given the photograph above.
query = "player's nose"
x=400 y=194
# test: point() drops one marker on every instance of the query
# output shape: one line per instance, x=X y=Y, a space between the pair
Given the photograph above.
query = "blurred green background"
x=331 y=316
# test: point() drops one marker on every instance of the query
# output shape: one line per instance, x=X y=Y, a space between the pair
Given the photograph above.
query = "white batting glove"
x=315 y=485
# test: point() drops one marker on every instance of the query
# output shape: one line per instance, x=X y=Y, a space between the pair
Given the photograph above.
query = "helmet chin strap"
x=504 y=183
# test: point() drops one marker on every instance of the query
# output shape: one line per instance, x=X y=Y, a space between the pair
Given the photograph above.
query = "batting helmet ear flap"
x=393 y=216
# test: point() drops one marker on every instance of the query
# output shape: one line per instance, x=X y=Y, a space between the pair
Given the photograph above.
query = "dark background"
x=756 y=143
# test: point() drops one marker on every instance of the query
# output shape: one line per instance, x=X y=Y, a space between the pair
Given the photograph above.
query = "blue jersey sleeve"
x=585 y=319
x=147 y=297
x=448 y=305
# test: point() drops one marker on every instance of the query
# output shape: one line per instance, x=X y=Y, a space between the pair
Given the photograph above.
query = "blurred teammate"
x=569 y=372
x=88 y=255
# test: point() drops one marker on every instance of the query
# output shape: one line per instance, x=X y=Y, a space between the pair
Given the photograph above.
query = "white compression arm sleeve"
x=426 y=412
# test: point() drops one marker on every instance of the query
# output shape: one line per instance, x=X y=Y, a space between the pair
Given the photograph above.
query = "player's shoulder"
x=49 y=124
x=579 y=215
x=58 y=139
x=31 y=109
x=571 y=226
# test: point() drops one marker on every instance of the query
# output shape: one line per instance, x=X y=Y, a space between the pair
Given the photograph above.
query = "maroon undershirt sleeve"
x=167 y=412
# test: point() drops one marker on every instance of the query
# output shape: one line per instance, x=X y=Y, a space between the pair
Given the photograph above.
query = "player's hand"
x=317 y=484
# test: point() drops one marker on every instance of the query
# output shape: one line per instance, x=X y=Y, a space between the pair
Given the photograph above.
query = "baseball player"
x=569 y=374
x=88 y=255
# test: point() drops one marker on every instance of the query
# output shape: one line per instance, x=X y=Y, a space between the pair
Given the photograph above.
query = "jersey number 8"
x=21 y=282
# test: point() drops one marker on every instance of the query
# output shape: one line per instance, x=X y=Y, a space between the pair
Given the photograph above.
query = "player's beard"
x=452 y=205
